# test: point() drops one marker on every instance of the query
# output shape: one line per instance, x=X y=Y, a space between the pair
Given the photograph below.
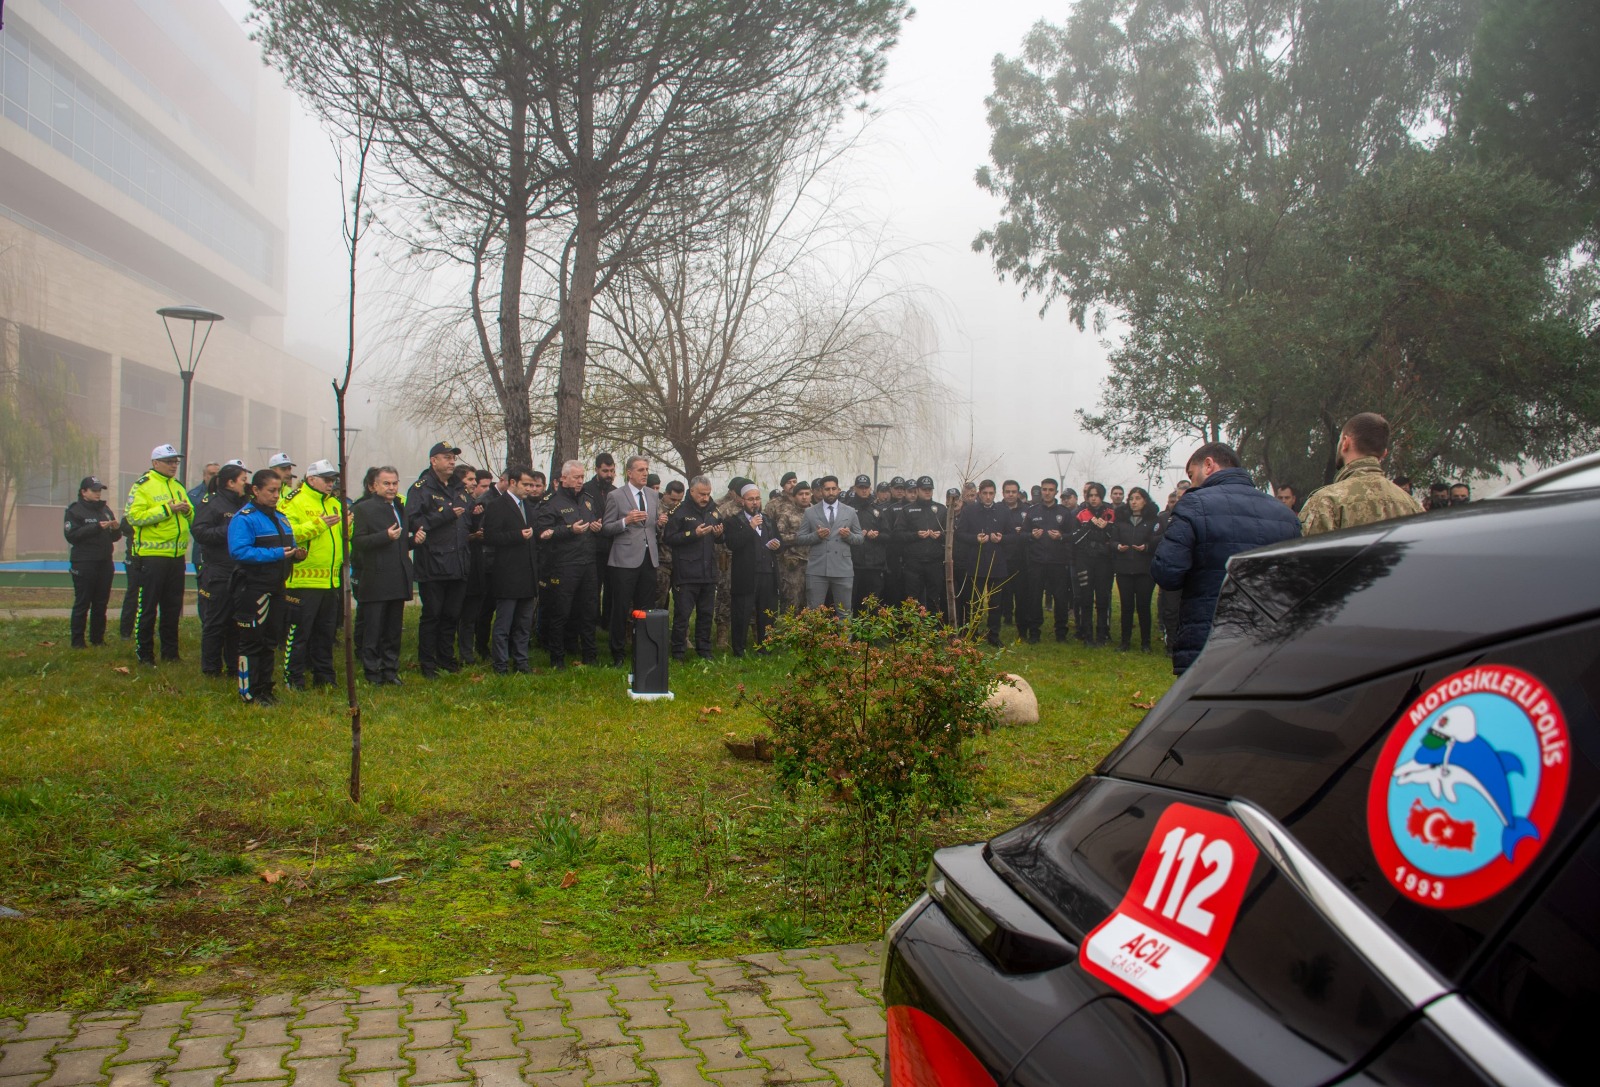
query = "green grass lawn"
x=163 y=839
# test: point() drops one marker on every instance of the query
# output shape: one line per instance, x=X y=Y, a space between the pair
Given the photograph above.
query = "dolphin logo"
x=1453 y=756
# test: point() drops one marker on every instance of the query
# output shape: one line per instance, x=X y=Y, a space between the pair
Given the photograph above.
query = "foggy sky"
x=914 y=174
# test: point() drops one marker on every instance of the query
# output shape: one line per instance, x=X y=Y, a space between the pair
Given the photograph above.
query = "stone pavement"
x=772 y=1018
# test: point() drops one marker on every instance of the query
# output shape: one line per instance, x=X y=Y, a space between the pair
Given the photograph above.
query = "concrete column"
x=10 y=370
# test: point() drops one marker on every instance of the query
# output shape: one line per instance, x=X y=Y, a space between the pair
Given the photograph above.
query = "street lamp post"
x=1061 y=473
x=877 y=434
x=187 y=363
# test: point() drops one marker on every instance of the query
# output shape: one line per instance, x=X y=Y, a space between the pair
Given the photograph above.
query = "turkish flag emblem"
x=1433 y=826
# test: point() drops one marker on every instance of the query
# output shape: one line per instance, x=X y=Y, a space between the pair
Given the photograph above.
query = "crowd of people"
x=504 y=564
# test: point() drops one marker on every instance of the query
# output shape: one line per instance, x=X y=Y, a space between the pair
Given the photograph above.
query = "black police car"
x=1357 y=843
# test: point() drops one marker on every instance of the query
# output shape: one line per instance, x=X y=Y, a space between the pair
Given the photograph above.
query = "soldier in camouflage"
x=727 y=509
x=788 y=514
x=669 y=502
x=1361 y=494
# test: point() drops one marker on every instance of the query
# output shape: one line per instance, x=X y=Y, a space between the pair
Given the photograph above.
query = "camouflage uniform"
x=664 y=570
x=1360 y=496
x=787 y=516
x=722 y=611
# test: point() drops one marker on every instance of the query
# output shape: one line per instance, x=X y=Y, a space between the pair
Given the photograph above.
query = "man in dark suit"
x=632 y=515
x=381 y=549
x=513 y=577
x=755 y=547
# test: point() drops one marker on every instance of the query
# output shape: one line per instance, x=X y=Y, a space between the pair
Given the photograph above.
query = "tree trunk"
x=513 y=364
x=576 y=309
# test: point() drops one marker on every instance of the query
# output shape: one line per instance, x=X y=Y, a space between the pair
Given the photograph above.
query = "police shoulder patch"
x=142 y=479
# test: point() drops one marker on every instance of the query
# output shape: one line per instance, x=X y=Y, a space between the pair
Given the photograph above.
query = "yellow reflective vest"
x=158 y=529
x=304 y=509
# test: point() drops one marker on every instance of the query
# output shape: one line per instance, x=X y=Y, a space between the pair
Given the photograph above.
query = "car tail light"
x=924 y=1053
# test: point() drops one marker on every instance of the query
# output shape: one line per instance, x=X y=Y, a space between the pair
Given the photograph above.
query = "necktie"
x=638 y=496
x=523 y=510
x=830 y=513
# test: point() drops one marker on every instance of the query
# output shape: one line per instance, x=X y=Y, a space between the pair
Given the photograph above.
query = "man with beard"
x=755 y=545
x=566 y=524
x=692 y=532
x=984 y=528
x=790 y=516
x=598 y=488
x=1361 y=495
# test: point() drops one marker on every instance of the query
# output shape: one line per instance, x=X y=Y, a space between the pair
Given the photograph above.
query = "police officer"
x=436 y=520
x=313 y=593
x=1049 y=549
x=871 y=558
x=566 y=524
x=91 y=529
x=283 y=466
x=263 y=550
x=894 y=579
x=692 y=531
x=920 y=529
x=219 y=634
x=160 y=514
x=1014 y=514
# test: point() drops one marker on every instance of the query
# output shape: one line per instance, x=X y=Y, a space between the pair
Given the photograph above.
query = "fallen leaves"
x=1143 y=705
x=122 y=670
x=272 y=875
x=47 y=643
x=569 y=879
x=513 y=863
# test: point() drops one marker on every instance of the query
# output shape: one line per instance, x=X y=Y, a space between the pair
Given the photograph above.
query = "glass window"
x=77 y=120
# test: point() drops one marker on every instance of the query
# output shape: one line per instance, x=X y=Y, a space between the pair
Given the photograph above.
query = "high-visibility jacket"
x=158 y=529
x=304 y=509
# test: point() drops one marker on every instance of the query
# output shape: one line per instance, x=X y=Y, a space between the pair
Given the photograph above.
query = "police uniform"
x=924 y=556
x=566 y=560
x=1049 y=570
x=313 y=595
x=870 y=559
x=440 y=563
x=89 y=559
x=694 y=574
x=160 y=544
x=219 y=634
x=256 y=541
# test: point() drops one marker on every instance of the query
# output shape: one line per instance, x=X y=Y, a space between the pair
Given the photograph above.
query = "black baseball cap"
x=863 y=480
x=91 y=484
x=883 y=488
x=951 y=492
x=898 y=481
x=443 y=447
x=924 y=481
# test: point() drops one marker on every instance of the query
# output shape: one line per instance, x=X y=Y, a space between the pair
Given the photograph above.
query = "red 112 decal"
x=1172 y=925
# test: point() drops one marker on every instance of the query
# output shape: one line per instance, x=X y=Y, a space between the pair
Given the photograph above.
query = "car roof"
x=1580 y=474
x=1306 y=616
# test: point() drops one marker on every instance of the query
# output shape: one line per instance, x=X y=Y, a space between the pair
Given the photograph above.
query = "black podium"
x=651 y=648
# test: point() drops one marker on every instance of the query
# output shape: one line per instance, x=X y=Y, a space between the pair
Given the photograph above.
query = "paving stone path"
x=763 y=1019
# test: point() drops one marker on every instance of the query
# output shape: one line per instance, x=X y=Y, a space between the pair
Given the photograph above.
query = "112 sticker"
x=1169 y=931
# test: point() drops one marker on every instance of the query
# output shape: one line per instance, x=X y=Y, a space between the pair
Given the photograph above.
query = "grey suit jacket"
x=631 y=544
x=830 y=557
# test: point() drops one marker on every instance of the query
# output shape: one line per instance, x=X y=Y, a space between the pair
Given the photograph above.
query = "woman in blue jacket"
x=263 y=550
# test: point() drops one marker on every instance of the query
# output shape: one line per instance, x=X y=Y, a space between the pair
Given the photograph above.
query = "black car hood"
x=1304 y=617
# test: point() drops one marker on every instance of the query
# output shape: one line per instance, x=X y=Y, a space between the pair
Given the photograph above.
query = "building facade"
x=143 y=163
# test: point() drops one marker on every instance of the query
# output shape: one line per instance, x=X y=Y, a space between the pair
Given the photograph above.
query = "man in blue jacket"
x=1222 y=514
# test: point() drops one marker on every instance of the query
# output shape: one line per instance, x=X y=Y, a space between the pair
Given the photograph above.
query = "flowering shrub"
x=882 y=705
